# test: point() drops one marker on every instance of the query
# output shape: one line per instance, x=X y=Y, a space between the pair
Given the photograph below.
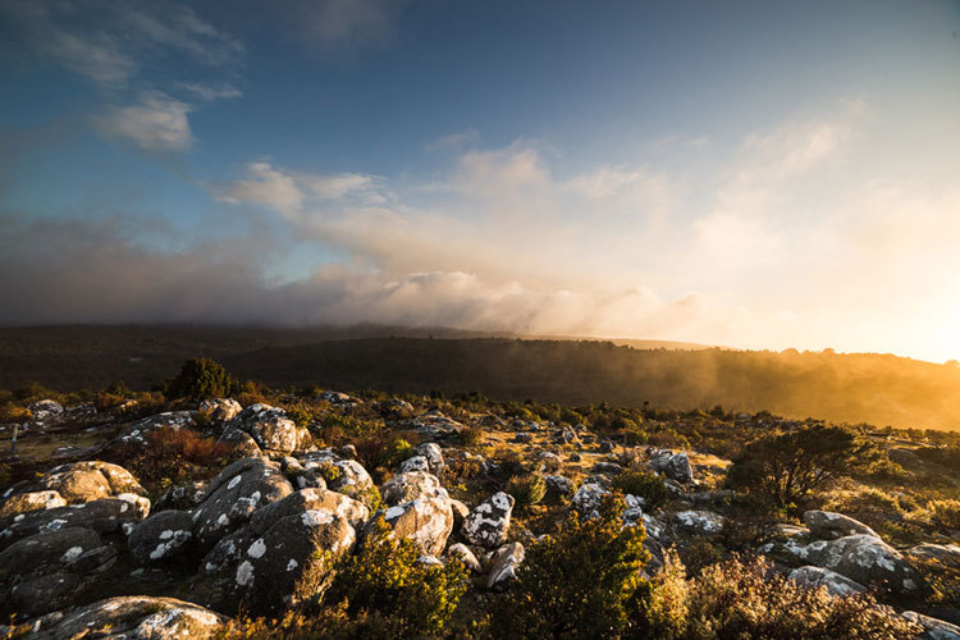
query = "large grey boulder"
x=827 y=525
x=107 y=515
x=488 y=524
x=434 y=455
x=162 y=536
x=933 y=628
x=221 y=409
x=137 y=433
x=587 y=500
x=704 y=523
x=864 y=559
x=836 y=584
x=353 y=511
x=559 y=488
x=45 y=410
x=350 y=476
x=411 y=485
x=269 y=426
x=141 y=617
x=504 y=565
x=232 y=497
x=426 y=521
x=675 y=466
x=416 y=463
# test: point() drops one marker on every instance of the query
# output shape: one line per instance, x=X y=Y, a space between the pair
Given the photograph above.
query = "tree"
x=200 y=379
x=787 y=468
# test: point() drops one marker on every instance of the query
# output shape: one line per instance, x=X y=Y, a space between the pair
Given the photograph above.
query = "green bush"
x=582 y=582
x=945 y=512
x=643 y=484
x=398 y=596
x=200 y=379
x=527 y=490
x=740 y=600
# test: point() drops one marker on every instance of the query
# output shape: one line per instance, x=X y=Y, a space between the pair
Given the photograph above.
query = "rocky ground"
x=106 y=538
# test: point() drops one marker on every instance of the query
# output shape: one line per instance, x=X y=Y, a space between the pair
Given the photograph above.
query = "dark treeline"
x=879 y=389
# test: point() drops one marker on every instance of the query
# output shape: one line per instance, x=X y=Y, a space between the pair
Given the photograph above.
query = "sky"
x=762 y=175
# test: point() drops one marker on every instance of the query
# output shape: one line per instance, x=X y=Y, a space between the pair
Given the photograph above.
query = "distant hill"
x=880 y=389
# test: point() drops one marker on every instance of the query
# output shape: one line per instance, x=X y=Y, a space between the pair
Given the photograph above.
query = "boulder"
x=836 y=584
x=353 y=511
x=416 y=463
x=933 y=628
x=221 y=409
x=607 y=468
x=162 y=536
x=135 y=617
x=411 y=485
x=426 y=521
x=232 y=497
x=53 y=549
x=559 y=488
x=45 y=410
x=270 y=427
x=136 y=433
x=945 y=553
x=32 y=501
x=699 y=522
x=865 y=559
x=549 y=462
x=488 y=524
x=79 y=482
x=43 y=594
x=587 y=500
x=351 y=478
x=107 y=515
x=675 y=466
x=827 y=525
x=460 y=513
x=504 y=565
x=462 y=553
x=242 y=443
x=434 y=455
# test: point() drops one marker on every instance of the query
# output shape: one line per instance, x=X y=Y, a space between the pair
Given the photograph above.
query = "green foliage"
x=400 y=597
x=643 y=484
x=200 y=379
x=329 y=471
x=582 y=582
x=740 y=600
x=786 y=469
x=471 y=436
x=527 y=490
x=945 y=513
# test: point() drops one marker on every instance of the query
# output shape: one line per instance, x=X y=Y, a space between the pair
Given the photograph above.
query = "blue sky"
x=756 y=174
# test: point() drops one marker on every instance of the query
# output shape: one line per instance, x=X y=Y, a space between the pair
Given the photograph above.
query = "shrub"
x=740 y=599
x=786 y=469
x=581 y=582
x=471 y=436
x=200 y=379
x=381 y=450
x=527 y=490
x=397 y=596
x=10 y=412
x=945 y=512
x=643 y=484
x=175 y=455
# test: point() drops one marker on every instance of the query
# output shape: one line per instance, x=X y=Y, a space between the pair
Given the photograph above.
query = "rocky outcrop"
x=45 y=411
x=463 y=553
x=135 y=617
x=587 y=500
x=80 y=482
x=559 y=488
x=434 y=456
x=504 y=565
x=107 y=515
x=827 y=525
x=488 y=524
x=704 y=523
x=411 y=485
x=31 y=501
x=353 y=511
x=270 y=428
x=945 y=553
x=137 y=433
x=836 y=584
x=675 y=466
x=426 y=521
x=162 y=536
x=933 y=628
x=220 y=409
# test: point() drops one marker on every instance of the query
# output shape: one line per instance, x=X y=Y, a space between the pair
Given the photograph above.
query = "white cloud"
x=158 y=123
x=212 y=93
x=454 y=141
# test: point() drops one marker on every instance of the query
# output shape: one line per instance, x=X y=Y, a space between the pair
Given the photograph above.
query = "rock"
x=488 y=523
x=416 y=463
x=411 y=485
x=699 y=522
x=162 y=536
x=44 y=594
x=351 y=478
x=945 y=553
x=221 y=409
x=434 y=426
x=504 y=565
x=353 y=511
x=675 y=466
x=182 y=497
x=89 y=480
x=270 y=427
x=45 y=410
x=232 y=497
x=575 y=457
x=559 y=488
x=462 y=553
x=460 y=513
x=865 y=559
x=523 y=438
x=933 y=629
x=587 y=500
x=136 y=617
x=549 y=462
x=136 y=433
x=32 y=501
x=242 y=443
x=567 y=435
x=348 y=451
x=426 y=521
x=827 y=525
x=906 y=458
x=106 y=515
x=836 y=584
x=53 y=549
x=434 y=455
x=607 y=468
x=607 y=447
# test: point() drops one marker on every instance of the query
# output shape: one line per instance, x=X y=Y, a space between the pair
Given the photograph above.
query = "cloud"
x=344 y=24
x=211 y=93
x=107 y=41
x=157 y=124
x=454 y=141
